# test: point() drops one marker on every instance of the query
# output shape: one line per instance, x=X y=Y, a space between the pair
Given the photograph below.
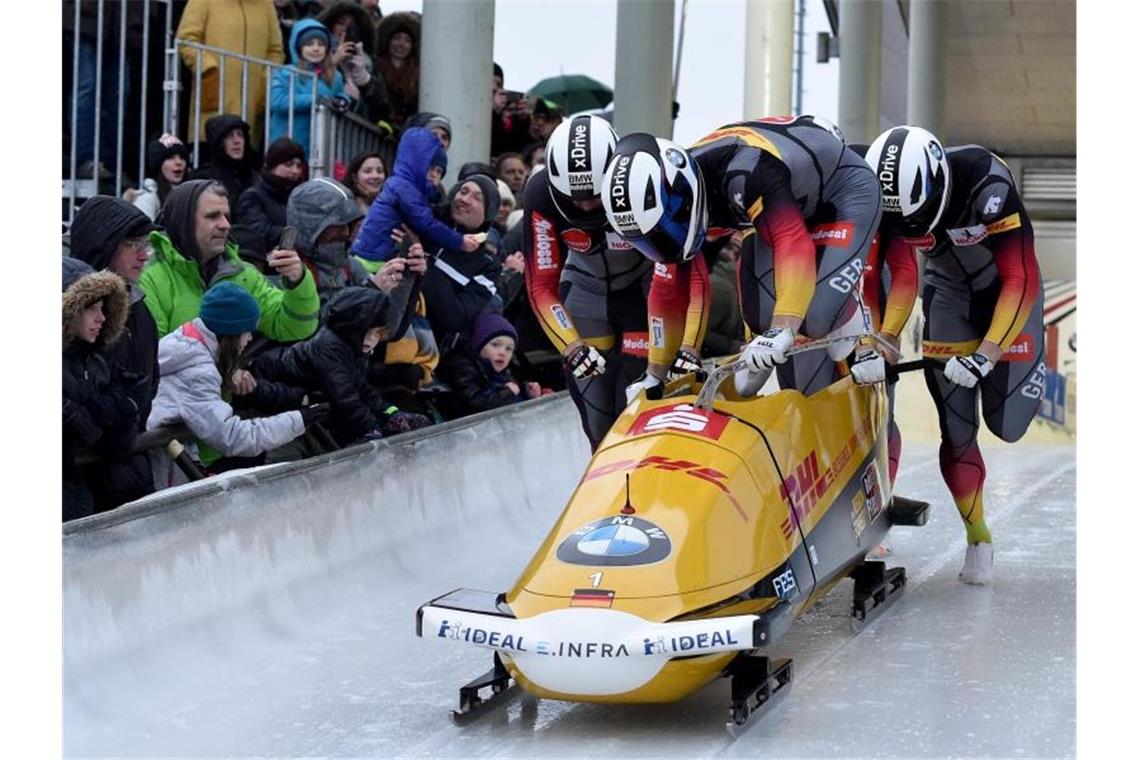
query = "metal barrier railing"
x=89 y=84
x=336 y=135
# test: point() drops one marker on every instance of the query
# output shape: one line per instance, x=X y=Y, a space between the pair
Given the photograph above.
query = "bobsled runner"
x=704 y=525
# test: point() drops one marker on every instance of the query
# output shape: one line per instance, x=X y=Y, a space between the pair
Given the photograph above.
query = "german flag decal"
x=592 y=597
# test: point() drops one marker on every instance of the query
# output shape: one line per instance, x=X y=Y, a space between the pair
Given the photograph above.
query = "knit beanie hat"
x=491 y=198
x=489 y=326
x=167 y=146
x=228 y=309
x=440 y=121
x=281 y=150
x=475 y=167
x=313 y=32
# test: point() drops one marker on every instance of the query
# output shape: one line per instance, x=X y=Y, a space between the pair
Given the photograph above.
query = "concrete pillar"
x=457 y=41
x=925 y=82
x=860 y=55
x=643 y=80
x=768 y=51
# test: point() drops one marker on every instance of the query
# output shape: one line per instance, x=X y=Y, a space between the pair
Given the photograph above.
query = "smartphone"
x=288 y=239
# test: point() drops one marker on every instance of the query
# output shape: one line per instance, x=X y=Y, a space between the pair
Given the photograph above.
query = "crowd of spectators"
x=273 y=315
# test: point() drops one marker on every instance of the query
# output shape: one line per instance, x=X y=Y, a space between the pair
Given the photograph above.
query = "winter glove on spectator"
x=585 y=361
x=968 y=370
x=315 y=413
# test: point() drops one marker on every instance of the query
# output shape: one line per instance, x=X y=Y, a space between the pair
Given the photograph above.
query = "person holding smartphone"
x=353 y=41
x=510 y=117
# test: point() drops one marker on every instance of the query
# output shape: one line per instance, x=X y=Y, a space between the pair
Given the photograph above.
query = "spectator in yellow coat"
x=246 y=27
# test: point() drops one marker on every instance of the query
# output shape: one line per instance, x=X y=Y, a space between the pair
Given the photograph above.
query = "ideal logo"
x=473 y=635
x=838 y=234
x=545 y=246
x=1021 y=350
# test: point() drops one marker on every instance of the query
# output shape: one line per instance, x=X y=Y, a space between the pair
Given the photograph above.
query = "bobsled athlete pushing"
x=704 y=525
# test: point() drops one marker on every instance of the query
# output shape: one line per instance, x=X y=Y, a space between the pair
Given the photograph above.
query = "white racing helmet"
x=576 y=157
x=654 y=197
x=915 y=176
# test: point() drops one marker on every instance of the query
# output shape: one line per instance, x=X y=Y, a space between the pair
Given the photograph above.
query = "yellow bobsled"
x=700 y=530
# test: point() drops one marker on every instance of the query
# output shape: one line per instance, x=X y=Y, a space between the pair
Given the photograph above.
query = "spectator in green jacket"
x=194 y=253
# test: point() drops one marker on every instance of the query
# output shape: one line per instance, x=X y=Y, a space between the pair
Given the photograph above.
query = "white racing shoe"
x=978 y=569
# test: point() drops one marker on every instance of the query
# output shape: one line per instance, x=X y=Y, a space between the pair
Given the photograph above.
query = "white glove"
x=767 y=349
x=647 y=383
x=968 y=370
x=585 y=361
x=868 y=366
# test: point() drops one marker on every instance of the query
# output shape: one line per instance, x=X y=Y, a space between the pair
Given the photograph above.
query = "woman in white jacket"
x=199 y=371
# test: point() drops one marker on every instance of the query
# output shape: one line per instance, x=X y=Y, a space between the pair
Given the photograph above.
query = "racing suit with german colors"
x=810 y=206
x=981 y=282
x=587 y=285
x=890 y=286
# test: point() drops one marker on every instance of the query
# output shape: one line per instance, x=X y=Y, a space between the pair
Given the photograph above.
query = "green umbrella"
x=574 y=92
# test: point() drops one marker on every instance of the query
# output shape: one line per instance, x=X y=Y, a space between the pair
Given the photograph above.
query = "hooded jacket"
x=313 y=207
x=100 y=410
x=174 y=282
x=333 y=363
x=404 y=200
x=285 y=82
x=261 y=210
x=190 y=392
x=100 y=225
x=373 y=103
x=235 y=175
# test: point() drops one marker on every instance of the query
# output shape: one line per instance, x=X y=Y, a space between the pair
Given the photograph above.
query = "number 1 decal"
x=596 y=579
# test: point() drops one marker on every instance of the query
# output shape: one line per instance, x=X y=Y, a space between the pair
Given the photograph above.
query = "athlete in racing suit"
x=812 y=207
x=586 y=285
x=982 y=302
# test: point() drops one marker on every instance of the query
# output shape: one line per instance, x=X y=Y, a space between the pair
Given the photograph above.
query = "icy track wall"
x=187 y=558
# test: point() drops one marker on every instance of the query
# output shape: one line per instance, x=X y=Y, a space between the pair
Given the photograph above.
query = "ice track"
x=278 y=619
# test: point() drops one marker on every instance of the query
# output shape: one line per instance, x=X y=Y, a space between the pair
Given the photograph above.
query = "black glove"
x=315 y=413
x=685 y=362
x=585 y=361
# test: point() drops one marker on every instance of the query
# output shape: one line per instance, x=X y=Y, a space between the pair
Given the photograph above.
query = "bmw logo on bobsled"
x=703 y=526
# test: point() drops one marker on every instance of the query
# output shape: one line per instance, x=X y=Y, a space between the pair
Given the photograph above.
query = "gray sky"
x=534 y=40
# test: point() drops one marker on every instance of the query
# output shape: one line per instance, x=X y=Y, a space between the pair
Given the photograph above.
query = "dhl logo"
x=938 y=349
x=744 y=134
x=692 y=469
x=1011 y=222
x=806 y=486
